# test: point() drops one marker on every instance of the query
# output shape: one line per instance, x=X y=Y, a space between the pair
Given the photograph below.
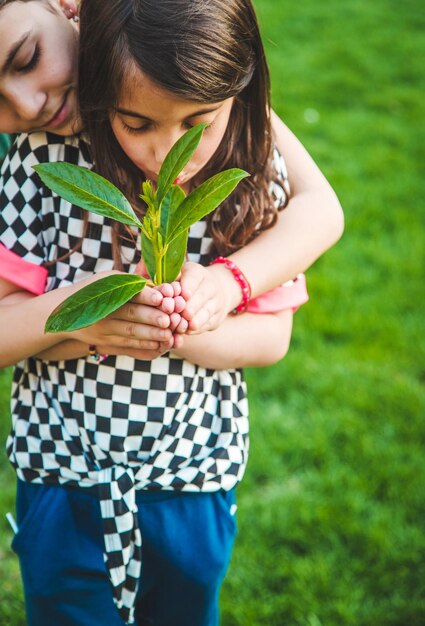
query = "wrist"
x=239 y=282
x=228 y=287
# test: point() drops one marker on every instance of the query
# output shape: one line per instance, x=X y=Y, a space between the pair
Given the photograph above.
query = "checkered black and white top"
x=124 y=423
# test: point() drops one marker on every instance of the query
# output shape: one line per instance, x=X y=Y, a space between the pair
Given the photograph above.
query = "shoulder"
x=27 y=206
x=20 y=186
x=33 y=148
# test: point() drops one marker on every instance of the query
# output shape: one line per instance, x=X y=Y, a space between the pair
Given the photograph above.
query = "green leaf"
x=177 y=158
x=170 y=205
x=174 y=258
x=203 y=200
x=88 y=190
x=94 y=302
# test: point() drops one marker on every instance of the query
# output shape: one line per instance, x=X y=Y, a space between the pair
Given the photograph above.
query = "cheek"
x=122 y=140
x=208 y=148
x=131 y=146
x=58 y=70
x=61 y=58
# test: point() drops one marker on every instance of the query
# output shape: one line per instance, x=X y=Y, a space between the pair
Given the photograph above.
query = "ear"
x=70 y=8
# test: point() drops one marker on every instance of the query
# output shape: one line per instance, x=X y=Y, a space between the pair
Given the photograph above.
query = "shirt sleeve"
x=24 y=274
x=290 y=295
x=22 y=251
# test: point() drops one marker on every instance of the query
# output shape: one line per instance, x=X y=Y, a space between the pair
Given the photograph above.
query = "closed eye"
x=131 y=129
x=146 y=127
x=32 y=62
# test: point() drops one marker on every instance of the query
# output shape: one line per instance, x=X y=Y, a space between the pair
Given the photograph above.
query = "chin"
x=68 y=130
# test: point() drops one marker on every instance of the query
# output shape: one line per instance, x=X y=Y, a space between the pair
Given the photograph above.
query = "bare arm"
x=311 y=223
x=138 y=328
x=247 y=340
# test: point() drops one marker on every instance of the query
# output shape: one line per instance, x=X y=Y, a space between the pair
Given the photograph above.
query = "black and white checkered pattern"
x=124 y=424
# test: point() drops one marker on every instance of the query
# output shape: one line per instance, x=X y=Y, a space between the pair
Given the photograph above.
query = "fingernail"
x=168 y=303
x=179 y=303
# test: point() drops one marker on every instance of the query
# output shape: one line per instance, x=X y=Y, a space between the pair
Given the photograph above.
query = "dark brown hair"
x=200 y=50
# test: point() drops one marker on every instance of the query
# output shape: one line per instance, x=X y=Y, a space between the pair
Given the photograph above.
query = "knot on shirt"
x=123 y=541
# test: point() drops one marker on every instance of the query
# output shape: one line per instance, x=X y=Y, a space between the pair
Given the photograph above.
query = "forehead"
x=14 y=13
x=18 y=19
x=139 y=91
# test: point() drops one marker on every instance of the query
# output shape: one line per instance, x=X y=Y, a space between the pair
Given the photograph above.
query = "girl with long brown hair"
x=135 y=462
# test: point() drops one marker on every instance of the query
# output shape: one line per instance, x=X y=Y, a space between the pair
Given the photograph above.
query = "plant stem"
x=158 y=260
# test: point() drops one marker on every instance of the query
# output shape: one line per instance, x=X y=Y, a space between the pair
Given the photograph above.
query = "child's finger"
x=200 y=320
x=149 y=296
x=167 y=305
x=166 y=289
x=127 y=333
x=179 y=304
x=182 y=326
x=174 y=321
x=178 y=341
x=177 y=288
x=191 y=277
x=139 y=314
x=146 y=353
x=197 y=304
x=165 y=346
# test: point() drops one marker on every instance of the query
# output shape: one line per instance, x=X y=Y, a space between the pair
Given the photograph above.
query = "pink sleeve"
x=291 y=295
x=24 y=274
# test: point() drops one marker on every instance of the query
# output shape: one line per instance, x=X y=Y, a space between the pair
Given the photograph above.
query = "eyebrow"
x=148 y=119
x=13 y=51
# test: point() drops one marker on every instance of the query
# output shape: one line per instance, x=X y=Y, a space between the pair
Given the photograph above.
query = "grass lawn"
x=331 y=512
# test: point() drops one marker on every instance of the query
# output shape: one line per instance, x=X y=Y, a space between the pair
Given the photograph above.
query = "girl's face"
x=38 y=69
x=149 y=120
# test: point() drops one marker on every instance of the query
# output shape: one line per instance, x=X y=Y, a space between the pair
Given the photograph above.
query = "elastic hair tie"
x=95 y=356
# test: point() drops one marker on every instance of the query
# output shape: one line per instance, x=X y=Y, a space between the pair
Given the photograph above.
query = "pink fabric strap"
x=291 y=295
x=24 y=274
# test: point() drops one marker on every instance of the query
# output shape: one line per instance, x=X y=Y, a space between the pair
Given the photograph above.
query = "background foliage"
x=331 y=512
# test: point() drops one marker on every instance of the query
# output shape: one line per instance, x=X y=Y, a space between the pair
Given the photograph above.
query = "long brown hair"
x=201 y=50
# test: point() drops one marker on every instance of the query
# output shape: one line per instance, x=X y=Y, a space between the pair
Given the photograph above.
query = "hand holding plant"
x=164 y=228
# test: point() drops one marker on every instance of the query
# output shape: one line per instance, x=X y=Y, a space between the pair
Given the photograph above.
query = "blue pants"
x=187 y=544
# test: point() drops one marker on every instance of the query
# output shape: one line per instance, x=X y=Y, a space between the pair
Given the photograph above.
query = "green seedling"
x=164 y=228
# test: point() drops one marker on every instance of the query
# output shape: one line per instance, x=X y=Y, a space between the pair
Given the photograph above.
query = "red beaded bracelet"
x=240 y=279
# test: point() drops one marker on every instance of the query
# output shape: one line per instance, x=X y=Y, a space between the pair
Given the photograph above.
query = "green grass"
x=332 y=508
x=11 y=601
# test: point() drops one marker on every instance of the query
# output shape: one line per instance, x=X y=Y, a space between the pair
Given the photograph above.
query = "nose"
x=27 y=102
x=163 y=144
